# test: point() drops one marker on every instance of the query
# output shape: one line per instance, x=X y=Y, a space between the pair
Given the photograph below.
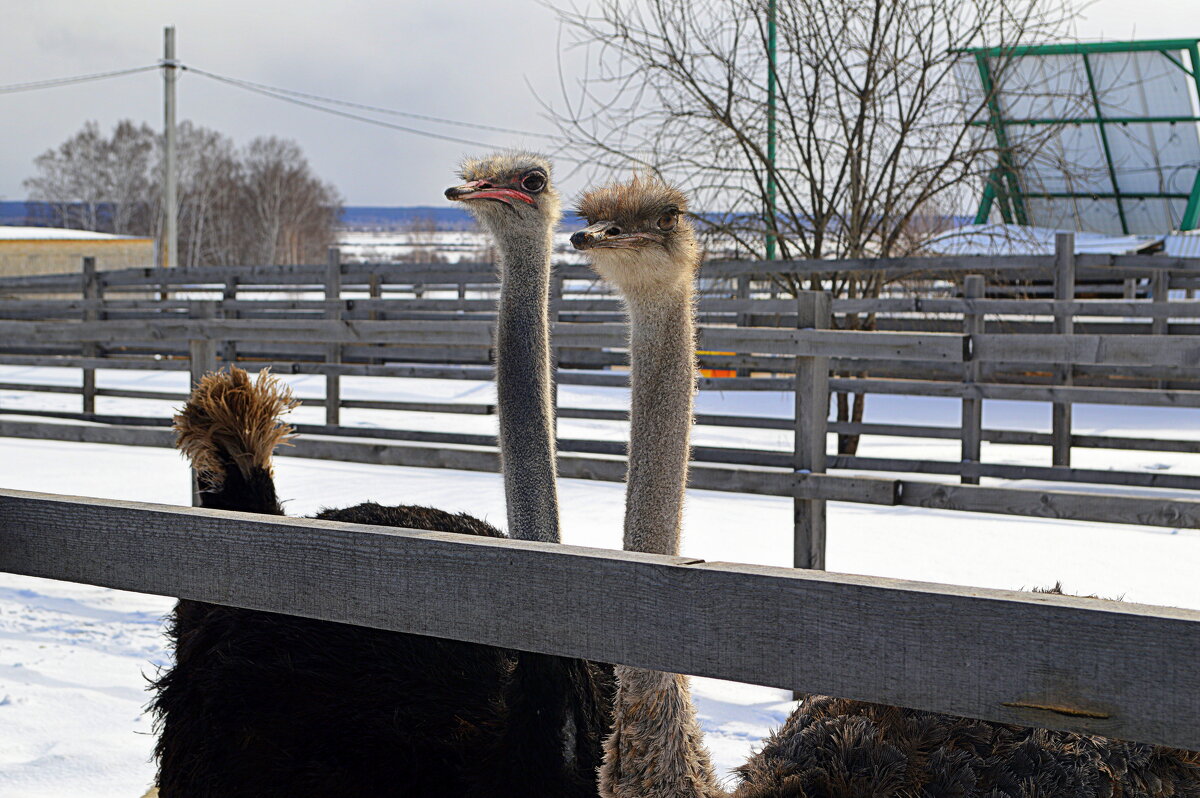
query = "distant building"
x=50 y=250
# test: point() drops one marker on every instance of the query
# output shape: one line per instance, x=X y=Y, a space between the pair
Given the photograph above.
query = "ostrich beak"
x=609 y=235
x=482 y=189
x=592 y=235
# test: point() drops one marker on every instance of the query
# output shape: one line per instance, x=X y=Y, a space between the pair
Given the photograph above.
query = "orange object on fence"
x=718 y=372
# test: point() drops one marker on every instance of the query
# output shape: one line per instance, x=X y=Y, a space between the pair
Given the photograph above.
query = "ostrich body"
x=638 y=239
x=260 y=704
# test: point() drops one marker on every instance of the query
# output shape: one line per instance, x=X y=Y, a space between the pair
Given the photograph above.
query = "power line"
x=345 y=114
x=345 y=103
x=268 y=92
x=56 y=82
x=305 y=100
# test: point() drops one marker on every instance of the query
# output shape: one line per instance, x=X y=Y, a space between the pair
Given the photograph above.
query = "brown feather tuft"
x=643 y=197
x=229 y=416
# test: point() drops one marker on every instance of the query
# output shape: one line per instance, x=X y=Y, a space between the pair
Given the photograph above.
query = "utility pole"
x=771 y=218
x=171 y=222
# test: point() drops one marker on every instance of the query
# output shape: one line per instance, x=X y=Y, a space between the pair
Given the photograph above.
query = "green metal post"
x=1006 y=163
x=993 y=194
x=1191 y=214
x=771 y=217
x=1194 y=52
x=985 y=204
x=1112 y=172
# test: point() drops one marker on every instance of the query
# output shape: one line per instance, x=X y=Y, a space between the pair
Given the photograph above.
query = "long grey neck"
x=657 y=747
x=662 y=365
x=524 y=388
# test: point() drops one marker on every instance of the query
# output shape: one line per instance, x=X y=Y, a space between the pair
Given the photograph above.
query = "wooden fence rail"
x=1121 y=670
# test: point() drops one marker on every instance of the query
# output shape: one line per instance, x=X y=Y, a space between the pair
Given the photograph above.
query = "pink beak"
x=481 y=189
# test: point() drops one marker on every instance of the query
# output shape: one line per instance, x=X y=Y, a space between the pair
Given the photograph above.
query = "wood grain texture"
x=811 y=414
x=1129 y=669
x=971 y=411
x=333 y=352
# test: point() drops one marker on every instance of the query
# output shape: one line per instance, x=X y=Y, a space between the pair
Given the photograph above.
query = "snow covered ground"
x=426 y=245
x=74 y=659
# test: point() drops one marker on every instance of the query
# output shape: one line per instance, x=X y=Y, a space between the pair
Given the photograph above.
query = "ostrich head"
x=638 y=235
x=509 y=192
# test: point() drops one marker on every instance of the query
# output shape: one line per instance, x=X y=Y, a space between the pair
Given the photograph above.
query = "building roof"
x=1015 y=239
x=11 y=233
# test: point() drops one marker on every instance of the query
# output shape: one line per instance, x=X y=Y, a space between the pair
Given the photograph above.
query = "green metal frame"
x=1003 y=188
x=1191 y=214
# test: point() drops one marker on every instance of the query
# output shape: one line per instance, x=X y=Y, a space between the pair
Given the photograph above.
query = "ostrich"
x=639 y=239
x=262 y=704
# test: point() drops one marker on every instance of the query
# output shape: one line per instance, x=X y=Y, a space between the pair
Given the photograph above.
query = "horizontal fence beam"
x=1166 y=510
x=1103 y=667
x=1178 y=351
x=433 y=273
x=611 y=304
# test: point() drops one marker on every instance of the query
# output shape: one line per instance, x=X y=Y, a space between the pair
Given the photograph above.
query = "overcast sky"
x=471 y=60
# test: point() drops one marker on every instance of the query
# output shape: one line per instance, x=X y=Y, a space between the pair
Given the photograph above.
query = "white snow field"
x=74 y=659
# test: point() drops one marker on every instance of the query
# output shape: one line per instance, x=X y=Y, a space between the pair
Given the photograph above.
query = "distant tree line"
x=257 y=204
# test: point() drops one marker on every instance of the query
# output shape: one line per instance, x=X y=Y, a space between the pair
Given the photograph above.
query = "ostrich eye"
x=667 y=221
x=533 y=182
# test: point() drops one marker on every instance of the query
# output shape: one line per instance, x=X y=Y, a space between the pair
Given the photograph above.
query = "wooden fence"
x=422 y=321
x=1122 y=670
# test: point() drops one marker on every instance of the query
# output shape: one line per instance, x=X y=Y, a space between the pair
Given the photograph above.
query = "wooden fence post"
x=91 y=295
x=557 y=287
x=202 y=356
x=1064 y=324
x=972 y=407
x=375 y=289
x=229 y=355
x=333 y=310
x=1160 y=293
x=812 y=416
x=744 y=317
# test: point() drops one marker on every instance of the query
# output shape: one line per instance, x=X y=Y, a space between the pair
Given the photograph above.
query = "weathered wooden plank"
x=333 y=352
x=142 y=364
x=1064 y=325
x=1140 y=479
x=1034 y=393
x=867 y=638
x=944 y=347
x=1002 y=307
x=78 y=433
x=1018 y=437
x=814 y=343
x=1078 y=506
x=971 y=410
x=472 y=408
x=811 y=413
x=1089 y=349
x=91 y=295
x=465 y=333
x=39 y=387
x=844 y=488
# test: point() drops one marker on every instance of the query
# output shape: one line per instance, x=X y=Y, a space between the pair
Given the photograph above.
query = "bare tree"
x=291 y=212
x=95 y=182
x=262 y=204
x=875 y=135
